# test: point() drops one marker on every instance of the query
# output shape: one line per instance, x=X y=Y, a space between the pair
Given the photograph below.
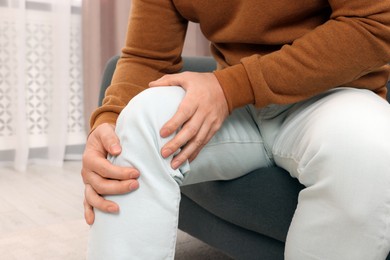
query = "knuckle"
x=194 y=155
x=186 y=113
x=84 y=175
x=88 y=159
x=186 y=110
x=107 y=135
x=96 y=203
x=199 y=143
x=191 y=129
x=103 y=174
x=98 y=187
x=176 y=143
x=88 y=195
x=85 y=157
x=103 y=171
x=215 y=127
x=108 y=140
x=185 y=153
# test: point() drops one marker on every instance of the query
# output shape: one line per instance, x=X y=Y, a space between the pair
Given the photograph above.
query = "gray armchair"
x=246 y=218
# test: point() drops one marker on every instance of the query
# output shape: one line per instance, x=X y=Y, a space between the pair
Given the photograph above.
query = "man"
x=299 y=84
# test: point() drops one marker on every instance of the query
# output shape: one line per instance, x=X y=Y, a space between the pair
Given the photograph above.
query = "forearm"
x=153 y=48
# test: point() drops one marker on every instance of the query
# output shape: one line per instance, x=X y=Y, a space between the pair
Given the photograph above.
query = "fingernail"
x=175 y=164
x=164 y=132
x=133 y=186
x=133 y=175
x=115 y=148
x=112 y=209
x=166 y=152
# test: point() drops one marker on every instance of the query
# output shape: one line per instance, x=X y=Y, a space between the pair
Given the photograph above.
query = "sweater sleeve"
x=351 y=49
x=153 y=48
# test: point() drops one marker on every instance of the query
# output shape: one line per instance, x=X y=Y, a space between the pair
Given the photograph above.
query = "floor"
x=41 y=217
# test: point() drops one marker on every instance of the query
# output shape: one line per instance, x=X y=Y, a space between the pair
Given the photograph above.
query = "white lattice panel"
x=76 y=109
x=7 y=32
x=8 y=81
x=39 y=65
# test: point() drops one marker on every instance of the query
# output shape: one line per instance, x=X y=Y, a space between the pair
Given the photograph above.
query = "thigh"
x=348 y=120
x=337 y=145
x=235 y=150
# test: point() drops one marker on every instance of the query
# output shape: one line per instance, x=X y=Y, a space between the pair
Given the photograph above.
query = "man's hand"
x=200 y=114
x=100 y=176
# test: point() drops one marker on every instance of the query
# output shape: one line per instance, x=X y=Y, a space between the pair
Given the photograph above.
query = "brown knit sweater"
x=268 y=52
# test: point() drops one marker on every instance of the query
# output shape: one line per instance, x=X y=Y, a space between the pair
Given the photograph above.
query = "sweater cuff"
x=106 y=117
x=236 y=86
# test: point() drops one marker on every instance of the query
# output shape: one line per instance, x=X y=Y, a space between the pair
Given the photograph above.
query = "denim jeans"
x=337 y=144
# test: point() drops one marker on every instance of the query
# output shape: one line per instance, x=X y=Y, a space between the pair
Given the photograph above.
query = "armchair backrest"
x=388 y=91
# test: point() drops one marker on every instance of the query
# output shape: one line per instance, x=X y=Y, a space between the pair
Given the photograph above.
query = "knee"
x=152 y=107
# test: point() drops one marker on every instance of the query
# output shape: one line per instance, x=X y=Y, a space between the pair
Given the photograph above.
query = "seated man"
x=293 y=88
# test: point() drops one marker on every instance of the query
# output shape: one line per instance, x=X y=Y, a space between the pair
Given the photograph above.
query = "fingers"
x=101 y=176
x=89 y=214
x=185 y=111
x=92 y=162
x=105 y=186
x=200 y=114
x=198 y=148
x=195 y=145
x=189 y=130
x=192 y=148
x=191 y=137
x=94 y=200
x=168 y=80
x=94 y=157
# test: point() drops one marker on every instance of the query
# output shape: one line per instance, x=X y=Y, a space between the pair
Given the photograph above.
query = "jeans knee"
x=152 y=107
x=138 y=128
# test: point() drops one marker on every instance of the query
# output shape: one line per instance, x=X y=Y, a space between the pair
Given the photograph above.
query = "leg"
x=338 y=146
x=146 y=226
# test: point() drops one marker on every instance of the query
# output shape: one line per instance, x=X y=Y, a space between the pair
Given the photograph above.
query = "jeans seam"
x=386 y=241
x=234 y=142
x=174 y=238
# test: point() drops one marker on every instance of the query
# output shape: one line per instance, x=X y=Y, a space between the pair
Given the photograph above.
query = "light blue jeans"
x=337 y=144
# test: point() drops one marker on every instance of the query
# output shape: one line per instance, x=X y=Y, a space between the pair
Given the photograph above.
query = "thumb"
x=109 y=139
